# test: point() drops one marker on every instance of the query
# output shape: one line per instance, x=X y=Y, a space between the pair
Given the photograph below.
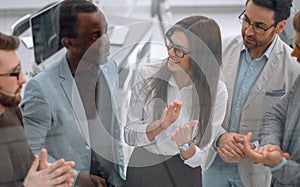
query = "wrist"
x=185 y=146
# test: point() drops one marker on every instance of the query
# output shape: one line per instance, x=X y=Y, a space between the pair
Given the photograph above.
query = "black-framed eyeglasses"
x=13 y=74
x=179 y=52
x=256 y=28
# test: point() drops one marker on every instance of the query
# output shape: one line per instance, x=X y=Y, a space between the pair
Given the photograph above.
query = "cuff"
x=279 y=166
x=215 y=145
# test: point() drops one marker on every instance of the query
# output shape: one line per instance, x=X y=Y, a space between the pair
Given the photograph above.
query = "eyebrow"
x=16 y=67
x=256 y=23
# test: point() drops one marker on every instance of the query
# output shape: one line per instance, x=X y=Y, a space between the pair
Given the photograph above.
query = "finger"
x=173 y=136
x=224 y=154
x=70 y=163
x=61 y=179
x=234 y=150
x=43 y=160
x=272 y=148
x=34 y=165
x=178 y=107
x=55 y=165
x=61 y=171
x=192 y=123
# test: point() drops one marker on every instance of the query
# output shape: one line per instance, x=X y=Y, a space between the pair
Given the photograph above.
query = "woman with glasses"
x=176 y=108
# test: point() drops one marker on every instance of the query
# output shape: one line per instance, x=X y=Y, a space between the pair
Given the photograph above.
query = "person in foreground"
x=279 y=135
x=258 y=70
x=176 y=108
x=18 y=165
x=67 y=108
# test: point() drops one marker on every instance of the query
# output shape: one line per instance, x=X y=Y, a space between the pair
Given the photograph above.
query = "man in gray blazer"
x=258 y=70
x=280 y=133
x=69 y=108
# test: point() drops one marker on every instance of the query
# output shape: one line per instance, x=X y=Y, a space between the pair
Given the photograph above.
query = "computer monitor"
x=45 y=41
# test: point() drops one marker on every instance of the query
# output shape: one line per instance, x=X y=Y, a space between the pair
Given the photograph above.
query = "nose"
x=105 y=39
x=22 y=78
x=249 y=30
x=171 y=51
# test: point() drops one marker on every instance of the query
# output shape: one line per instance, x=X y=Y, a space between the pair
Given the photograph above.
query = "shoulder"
x=145 y=71
x=231 y=42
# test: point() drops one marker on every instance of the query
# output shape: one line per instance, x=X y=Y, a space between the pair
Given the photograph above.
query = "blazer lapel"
x=230 y=70
x=72 y=94
x=265 y=75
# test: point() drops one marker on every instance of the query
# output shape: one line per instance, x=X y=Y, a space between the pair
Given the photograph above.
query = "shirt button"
x=87 y=147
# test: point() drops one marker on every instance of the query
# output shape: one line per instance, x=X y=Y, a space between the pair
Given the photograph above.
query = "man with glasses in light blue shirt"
x=258 y=70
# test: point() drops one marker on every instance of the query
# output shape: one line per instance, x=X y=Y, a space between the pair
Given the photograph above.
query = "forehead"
x=259 y=14
x=88 y=21
x=8 y=60
x=179 y=38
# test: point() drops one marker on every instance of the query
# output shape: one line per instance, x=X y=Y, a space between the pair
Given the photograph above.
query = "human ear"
x=66 y=42
x=280 y=26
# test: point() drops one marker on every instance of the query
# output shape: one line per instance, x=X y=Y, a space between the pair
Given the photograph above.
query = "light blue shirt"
x=247 y=74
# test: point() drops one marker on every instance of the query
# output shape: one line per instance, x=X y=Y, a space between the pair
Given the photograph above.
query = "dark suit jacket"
x=281 y=128
x=15 y=154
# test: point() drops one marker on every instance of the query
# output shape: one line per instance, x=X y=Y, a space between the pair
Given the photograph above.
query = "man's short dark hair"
x=282 y=8
x=8 y=42
x=65 y=17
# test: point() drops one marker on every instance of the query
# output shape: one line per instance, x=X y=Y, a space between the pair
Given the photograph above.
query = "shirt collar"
x=266 y=54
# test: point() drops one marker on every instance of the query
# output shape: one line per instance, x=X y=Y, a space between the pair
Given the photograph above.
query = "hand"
x=57 y=174
x=230 y=150
x=88 y=180
x=270 y=155
x=182 y=134
x=44 y=164
x=170 y=114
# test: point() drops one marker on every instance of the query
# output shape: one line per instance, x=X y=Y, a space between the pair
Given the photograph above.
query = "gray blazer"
x=281 y=127
x=54 y=117
x=275 y=79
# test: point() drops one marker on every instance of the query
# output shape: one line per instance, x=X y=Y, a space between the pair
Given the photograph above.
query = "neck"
x=182 y=78
x=73 y=63
x=2 y=109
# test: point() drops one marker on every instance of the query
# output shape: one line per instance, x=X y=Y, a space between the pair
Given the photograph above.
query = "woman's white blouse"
x=140 y=115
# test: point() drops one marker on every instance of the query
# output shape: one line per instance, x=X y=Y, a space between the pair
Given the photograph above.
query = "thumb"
x=163 y=115
x=286 y=155
x=249 y=136
x=34 y=165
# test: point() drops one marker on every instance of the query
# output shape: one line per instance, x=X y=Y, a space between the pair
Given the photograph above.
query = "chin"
x=172 y=67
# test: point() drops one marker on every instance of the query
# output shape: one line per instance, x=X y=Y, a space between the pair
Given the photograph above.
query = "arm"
x=141 y=129
x=202 y=156
x=36 y=111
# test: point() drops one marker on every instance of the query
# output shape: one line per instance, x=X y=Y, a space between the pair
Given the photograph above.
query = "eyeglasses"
x=179 y=52
x=256 y=28
x=13 y=74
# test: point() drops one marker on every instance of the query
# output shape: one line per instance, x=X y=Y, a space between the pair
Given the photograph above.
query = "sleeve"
x=202 y=156
x=36 y=112
x=137 y=118
x=271 y=132
x=289 y=174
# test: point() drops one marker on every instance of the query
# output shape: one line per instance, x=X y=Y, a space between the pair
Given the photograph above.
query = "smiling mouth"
x=173 y=61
